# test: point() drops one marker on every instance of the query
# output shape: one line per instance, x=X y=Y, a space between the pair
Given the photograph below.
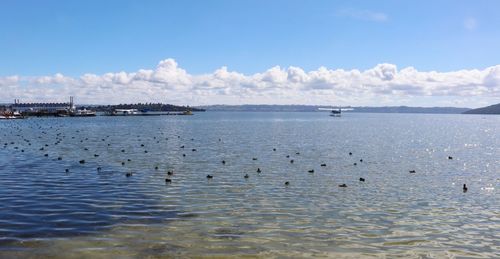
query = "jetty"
x=64 y=109
x=19 y=110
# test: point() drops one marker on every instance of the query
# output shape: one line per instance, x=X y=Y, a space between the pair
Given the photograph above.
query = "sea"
x=251 y=184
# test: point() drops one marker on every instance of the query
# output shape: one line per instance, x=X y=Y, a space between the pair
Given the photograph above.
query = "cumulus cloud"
x=384 y=84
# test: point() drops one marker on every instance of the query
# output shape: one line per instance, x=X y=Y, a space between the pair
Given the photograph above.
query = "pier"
x=44 y=109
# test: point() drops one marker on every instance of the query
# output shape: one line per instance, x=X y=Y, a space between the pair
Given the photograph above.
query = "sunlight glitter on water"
x=102 y=212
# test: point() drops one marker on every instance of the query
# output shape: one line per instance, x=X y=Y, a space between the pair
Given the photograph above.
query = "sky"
x=373 y=53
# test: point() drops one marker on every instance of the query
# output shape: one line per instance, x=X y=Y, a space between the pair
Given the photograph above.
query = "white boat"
x=83 y=113
x=124 y=112
x=10 y=115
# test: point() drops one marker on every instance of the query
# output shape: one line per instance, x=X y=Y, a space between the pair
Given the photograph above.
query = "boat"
x=83 y=113
x=336 y=113
x=8 y=115
x=124 y=112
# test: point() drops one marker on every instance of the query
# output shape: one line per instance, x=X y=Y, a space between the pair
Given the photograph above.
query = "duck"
x=323 y=164
x=129 y=174
x=350 y=153
x=258 y=170
x=223 y=162
x=450 y=157
x=343 y=185
x=291 y=161
x=287 y=183
x=412 y=171
x=465 y=188
x=170 y=172
x=254 y=158
x=168 y=180
x=361 y=179
x=311 y=171
x=156 y=167
x=246 y=176
x=82 y=161
x=209 y=176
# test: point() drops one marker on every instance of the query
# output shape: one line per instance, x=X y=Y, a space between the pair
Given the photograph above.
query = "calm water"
x=46 y=211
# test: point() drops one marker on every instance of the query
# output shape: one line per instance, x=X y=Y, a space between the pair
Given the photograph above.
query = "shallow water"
x=46 y=211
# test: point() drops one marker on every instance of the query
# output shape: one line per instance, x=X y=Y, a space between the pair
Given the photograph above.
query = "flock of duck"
x=17 y=131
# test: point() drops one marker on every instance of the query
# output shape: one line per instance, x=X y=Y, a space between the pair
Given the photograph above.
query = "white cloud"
x=470 y=24
x=365 y=15
x=383 y=84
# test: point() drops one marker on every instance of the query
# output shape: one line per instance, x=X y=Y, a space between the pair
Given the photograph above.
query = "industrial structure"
x=43 y=107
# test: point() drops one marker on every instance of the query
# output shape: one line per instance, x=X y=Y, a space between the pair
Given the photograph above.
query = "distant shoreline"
x=316 y=108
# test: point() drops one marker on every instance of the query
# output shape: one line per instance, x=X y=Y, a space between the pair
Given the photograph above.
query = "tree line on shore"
x=142 y=107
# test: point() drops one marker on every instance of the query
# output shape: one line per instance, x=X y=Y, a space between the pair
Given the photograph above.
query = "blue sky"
x=76 y=37
x=73 y=38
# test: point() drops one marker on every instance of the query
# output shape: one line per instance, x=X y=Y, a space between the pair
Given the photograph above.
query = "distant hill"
x=315 y=108
x=492 y=109
x=406 y=109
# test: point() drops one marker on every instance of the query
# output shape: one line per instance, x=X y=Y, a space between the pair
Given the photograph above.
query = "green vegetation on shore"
x=142 y=107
